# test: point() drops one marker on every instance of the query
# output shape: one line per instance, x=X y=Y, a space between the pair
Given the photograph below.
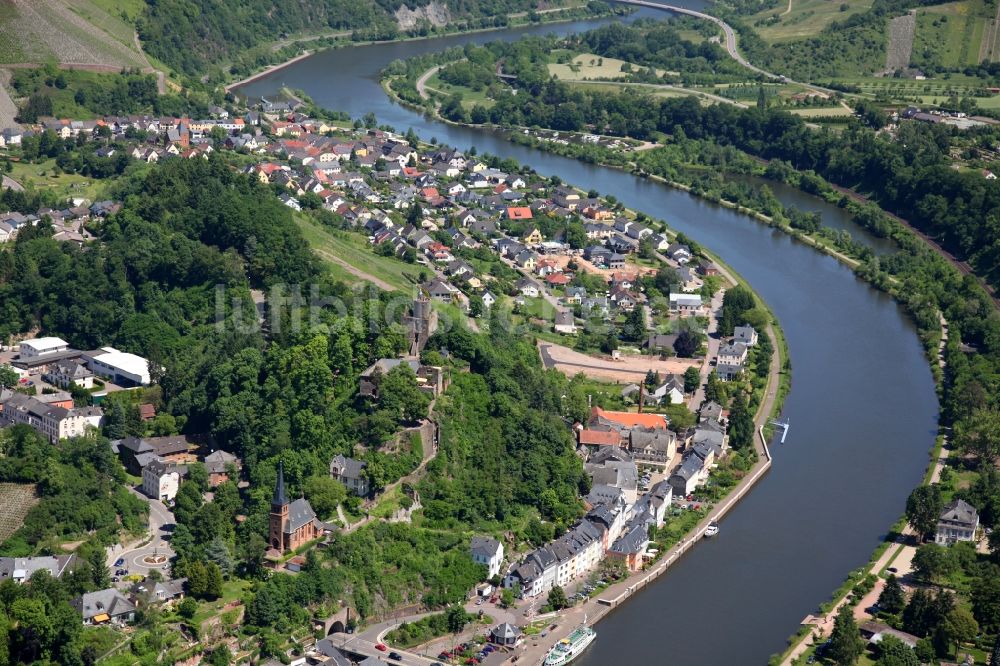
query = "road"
x=715 y=312
x=422 y=81
x=731 y=43
x=161 y=526
x=734 y=52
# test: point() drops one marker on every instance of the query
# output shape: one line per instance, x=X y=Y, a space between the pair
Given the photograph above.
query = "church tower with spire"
x=279 y=513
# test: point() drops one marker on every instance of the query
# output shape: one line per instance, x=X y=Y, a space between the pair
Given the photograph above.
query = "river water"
x=863 y=410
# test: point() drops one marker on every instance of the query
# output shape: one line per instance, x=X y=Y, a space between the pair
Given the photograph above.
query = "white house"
x=733 y=354
x=160 y=481
x=66 y=372
x=958 y=522
x=685 y=303
x=487 y=551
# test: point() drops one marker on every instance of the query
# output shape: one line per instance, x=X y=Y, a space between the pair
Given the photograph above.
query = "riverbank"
x=556 y=14
x=533 y=651
x=890 y=549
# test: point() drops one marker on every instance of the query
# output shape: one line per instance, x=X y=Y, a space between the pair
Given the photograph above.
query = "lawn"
x=43 y=177
x=470 y=97
x=232 y=590
x=807 y=18
x=590 y=66
x=354 y=250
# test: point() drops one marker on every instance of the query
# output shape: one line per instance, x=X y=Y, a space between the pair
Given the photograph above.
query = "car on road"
x=395 y=656
x=381 y=647
x=892 y=570
x=120 y=561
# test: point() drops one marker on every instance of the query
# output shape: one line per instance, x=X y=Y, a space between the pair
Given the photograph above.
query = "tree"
x=400 y=396
x=740 y=427
x=218 y=552
x=932 y=561
x=894 y=652
x=918 y=615
x=995 y=656
x=923 y=508
x=735 y=303
x=507 y=598
x=8 y=377
x=986 y=601
x=213 y=581
x=557 y=598
x=958 y=627
x=220 y=656
x=893 y=598
x=457 y=618
x=846 y=645
x=979 y=435
x=187 y=608
x=692 y=379
x=687 y=344
x=324 y=494
x=198 y=474
x=634 y=328
x=99 y=573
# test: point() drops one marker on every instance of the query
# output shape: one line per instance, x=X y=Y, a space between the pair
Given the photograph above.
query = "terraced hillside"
x=87 y=33
x=16 y=500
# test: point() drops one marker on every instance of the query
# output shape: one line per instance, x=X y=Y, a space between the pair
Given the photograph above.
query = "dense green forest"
x=194 y=35
x=81 y=486
x=80 y=94
x=149 y=284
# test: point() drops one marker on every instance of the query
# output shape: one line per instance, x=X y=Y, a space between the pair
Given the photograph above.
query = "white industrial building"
x=121 y=367
x=42 y=347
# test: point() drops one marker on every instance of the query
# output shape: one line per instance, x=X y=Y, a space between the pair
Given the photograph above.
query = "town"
x=596 y=283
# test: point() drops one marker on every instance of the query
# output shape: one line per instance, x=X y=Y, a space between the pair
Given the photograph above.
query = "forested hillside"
x=191 y=35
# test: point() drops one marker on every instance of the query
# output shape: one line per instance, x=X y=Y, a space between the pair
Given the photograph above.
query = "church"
x=292 y=524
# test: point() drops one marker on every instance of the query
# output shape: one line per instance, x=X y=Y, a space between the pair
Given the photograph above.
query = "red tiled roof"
x=631 y=419
x=519 y=213
x=600 y=437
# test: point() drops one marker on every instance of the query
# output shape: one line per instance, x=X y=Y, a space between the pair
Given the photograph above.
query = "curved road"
x=726 y=28
x=161 y=525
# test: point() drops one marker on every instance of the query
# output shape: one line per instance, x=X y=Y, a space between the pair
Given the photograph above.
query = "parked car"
x=120 y=561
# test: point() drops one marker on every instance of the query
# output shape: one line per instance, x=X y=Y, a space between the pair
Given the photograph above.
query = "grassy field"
x=470 y=97
x=354 y=250
x=806 y=19
x=43 y=177
x=16 y=500
x=951 y=35
x=590 y=66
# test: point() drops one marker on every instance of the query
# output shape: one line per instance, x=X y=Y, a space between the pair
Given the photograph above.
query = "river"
x=863 y=410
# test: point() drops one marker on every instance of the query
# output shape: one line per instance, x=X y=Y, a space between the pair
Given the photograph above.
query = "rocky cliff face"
x=436 y=13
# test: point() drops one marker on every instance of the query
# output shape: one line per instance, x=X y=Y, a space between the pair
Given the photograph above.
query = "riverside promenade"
x=533 y=648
